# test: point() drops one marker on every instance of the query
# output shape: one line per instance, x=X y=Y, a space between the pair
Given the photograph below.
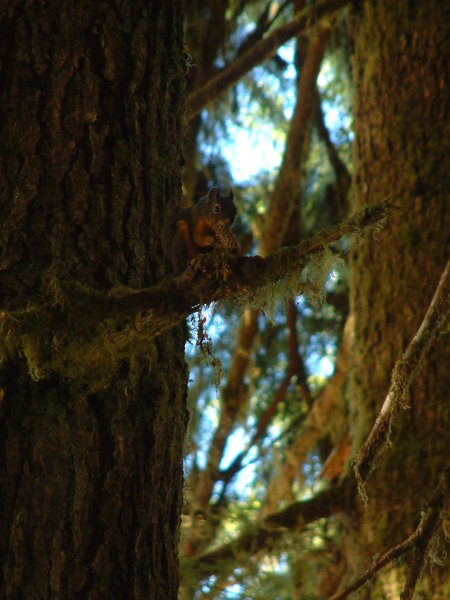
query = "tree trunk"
x=402 y=149
x=92 y=96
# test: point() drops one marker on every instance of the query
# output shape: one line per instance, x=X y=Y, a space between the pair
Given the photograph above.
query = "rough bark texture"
x=402 y=148
x=91 y=472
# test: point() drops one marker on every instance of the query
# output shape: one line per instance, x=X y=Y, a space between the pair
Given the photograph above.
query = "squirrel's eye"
x=216 y=208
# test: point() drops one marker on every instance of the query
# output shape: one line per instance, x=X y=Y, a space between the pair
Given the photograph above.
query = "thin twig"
x=295 y=360
x=388 y=557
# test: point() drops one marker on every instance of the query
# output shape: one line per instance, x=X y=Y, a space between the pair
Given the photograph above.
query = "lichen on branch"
x=83 y=333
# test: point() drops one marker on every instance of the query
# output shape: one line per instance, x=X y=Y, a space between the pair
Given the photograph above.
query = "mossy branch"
x=403 y=374
x=85 y=330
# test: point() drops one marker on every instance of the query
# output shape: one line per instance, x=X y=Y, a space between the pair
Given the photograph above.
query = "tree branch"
x=343 y=179
x=201 y=283
x=262 y=50
x=425 y=531
x=262 y=537
x=297 y=367
x=403 y=374
x=327 y=408
x=342 y=175
x=418 y=541
x=88 y=330
x=263 y=24
x=261 y=428
x=285 y=194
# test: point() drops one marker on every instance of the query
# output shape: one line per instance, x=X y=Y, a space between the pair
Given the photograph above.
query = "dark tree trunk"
x=402 y=149
x=91 y=102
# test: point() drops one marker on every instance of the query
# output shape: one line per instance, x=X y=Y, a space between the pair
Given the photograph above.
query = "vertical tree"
x=91 y=437
x=402 y=149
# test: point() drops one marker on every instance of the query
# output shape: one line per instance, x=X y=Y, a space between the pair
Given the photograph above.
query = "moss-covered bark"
x=91 y=106
x=402 y=149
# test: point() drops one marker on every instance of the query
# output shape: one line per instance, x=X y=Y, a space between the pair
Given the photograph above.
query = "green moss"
x=308 y=281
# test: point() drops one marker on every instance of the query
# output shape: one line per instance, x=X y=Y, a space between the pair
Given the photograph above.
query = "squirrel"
x=198 y=229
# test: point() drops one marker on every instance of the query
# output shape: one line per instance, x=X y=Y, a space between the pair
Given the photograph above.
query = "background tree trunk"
x=402 y=149
x=91 y=470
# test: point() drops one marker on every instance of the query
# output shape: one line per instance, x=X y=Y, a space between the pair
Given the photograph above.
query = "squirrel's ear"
x=213 y=193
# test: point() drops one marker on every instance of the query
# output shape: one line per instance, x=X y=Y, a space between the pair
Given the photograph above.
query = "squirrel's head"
x=223 y=208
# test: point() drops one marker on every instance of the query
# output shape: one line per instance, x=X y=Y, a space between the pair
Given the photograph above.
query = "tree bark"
x=402 y=148
x=91 y=103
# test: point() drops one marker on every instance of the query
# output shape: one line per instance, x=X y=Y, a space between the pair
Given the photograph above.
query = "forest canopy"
x=272 y=439
x=224 y=299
